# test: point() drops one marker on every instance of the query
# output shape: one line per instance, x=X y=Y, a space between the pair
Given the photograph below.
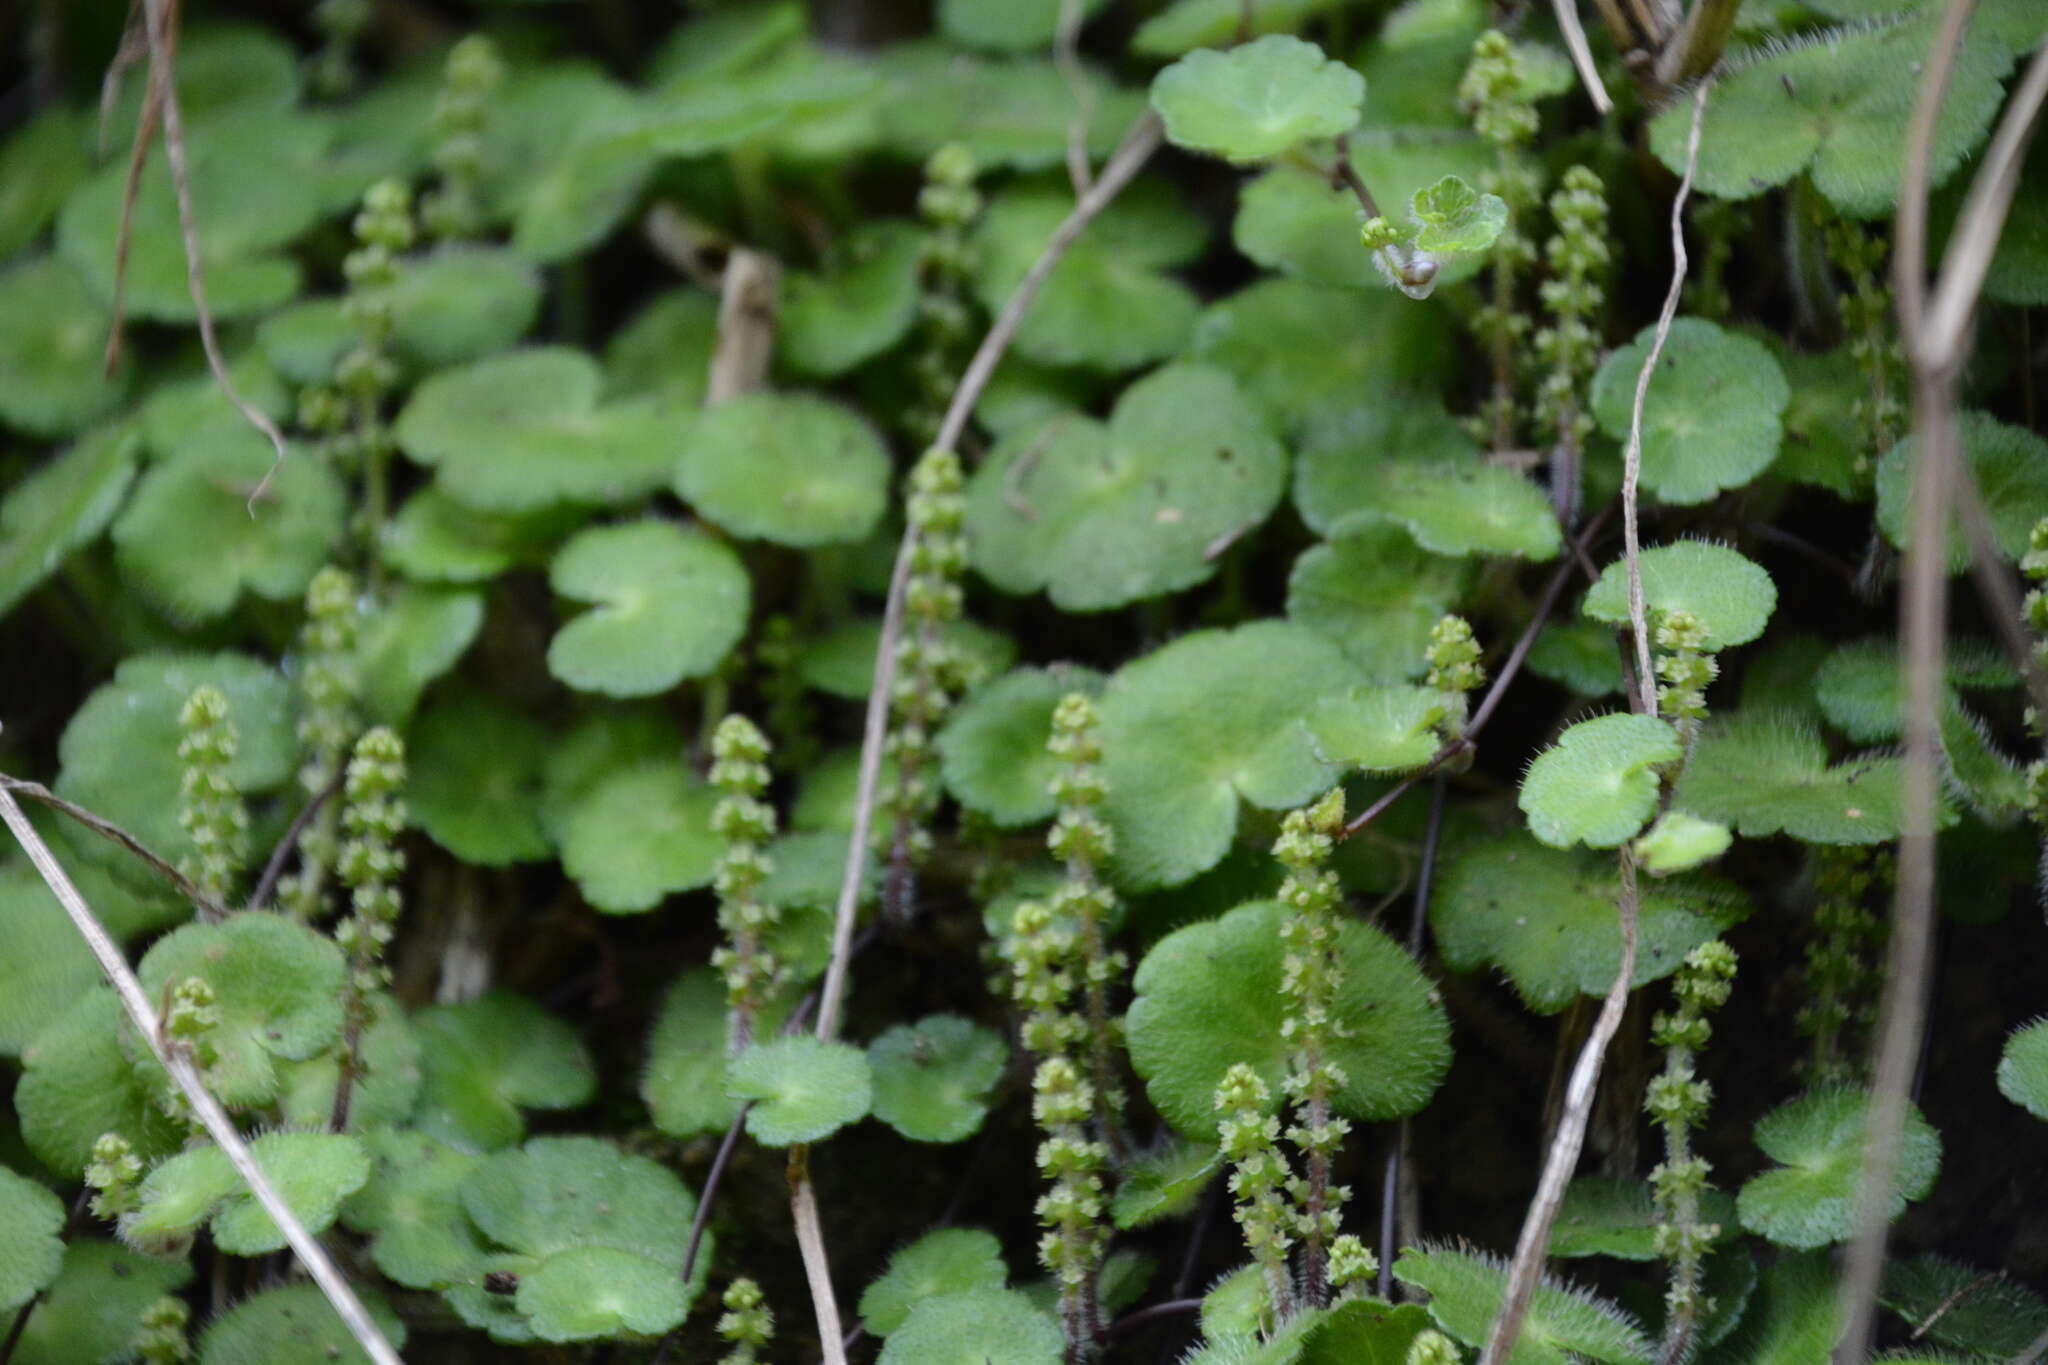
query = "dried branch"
x=273 y=867
x=107 y=829
x=1697 y=46
x=1632 y=453
x=810 y=1241
x=186 y=1076
x=748 y=301
x=1574 y=33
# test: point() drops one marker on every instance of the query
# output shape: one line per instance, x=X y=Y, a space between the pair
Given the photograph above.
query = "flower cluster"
x=1082 y=841
x=1685 y=669
x=1495 y=93
x=1840 y=970
x=746 y=824
x=1249 y=1138
x=473 y=74
x=328 y=693
x=1454 y=670
x=747 y=1322
x=949 y=204
x=1677 y=1100
x=1569 y=344
x=212 y=812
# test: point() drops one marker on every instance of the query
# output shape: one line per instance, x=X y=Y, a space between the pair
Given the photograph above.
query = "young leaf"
x=804 y=1089
x=473 y=779
x=1763 y=773
x=1100 y=515
x=34 y=1250
x=641 y=833
x=483 y=1061
x=61 y=507
x=671 y=604
x=789 y=468
x=1564 y=1323
x=292 y=1324
x=1728 y=594
x=2023 y=1068
x=1191 y=730
x=864 y=304
x=1810 y=1199
x=1598 y=783
x=190 y=540
x=523 y=431
x=992 y=750
x=1205 y=1001
x=1547 y=918
x=1377 y=594
x=2011 y=465
x=1451 y=216
x=1713 y=417
x=977 y=1327
x=52 y=380
x=1378 y=729
x=1257 y=100
x=932 y=1079
x=1679 y=842
x=948 y=1261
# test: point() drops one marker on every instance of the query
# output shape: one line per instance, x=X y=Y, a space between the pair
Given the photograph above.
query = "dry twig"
x=1582 y=55
x=107 y=829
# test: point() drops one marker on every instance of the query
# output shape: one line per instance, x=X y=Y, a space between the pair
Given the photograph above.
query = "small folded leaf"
x=1377 y=594
x=34 y=1248
x=1563 y=1323
x=483 y=1061
x=789 y=468
x=1713 y=416
x=1728 y=594
x=1811 y=1198
x=2023 y=1069
x=670 y=604
x=2011 y=466
x=291 y=1325
x=473 y=780
x=864 y=304
x=804 y=1089
x=523 y=431
x=1192 y=730
x=948 y=1261
x=641 y=833
x=1378 y=729
x=1763 y=773
x=993 y=747
x=193 y=543
x=52 y=344
x=1679 y=842
x=1547 y=918
x=1205 y=1001
x=1257 y=100
x=1100 y=515
x=977 y=1327
x=1453 y=217
x=1619 y=1218
x=932 y=1079
x=1599 y=782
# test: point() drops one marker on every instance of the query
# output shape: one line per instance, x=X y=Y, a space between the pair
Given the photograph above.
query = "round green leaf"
x=313 y=1172
x=1191 y=729
x=473 y=780
x=669 y=603
x=1257 y=100
x=193 y=411
x=978 y=1327
x=34 y=1248
x=191 y=540
x=1713 y=416
x=292 y=1326
x=558 y=1194
x=948 y=1261
x=1107 y=304
x=1378 y=729
x=384 y=1091
x=44 y=965
x=60 y=507
x=119 y=753
x=1679 y=842
x=1599 y=782
x=665 y=351
x=1811 y=1198
x=862 y=305
x=1564 y=1323
x=78 y=1083
x=1100 y=515
x=599 y=743
x=1377 y=594
x=1546 y=917
x=1579 y=655
x=790 y=468
x=1164 y=1184
x=304 y=341
x=1827 y=437
x=1208 y=997
x=590 y=1293
x=1452 y=217
x=1765 y=773
x=1728 y=594
x=412 y=639
x=412 y=1205
x=1013 y=114
x=2011 y=465
x=804 y=1089
x=435 y=539
x=89 y=1314
x=521 y=431
x=52 y=381
x=462 y=303
x=932 y=1079
x=640 y=834
x=2023 y=1068
x=684 y=1084
x=483 y=1061
x=277 y=985
x=992 y=750
x=1831 y=104
x=41 y=162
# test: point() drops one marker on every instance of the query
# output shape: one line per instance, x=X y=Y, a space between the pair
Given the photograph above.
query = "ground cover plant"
x=1271 y=682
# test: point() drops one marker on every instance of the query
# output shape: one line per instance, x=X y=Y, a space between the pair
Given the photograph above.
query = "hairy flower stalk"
x=1677 y=1100
x=1860 y=255
x=1495 y=92
x=113 y=1175
x=931 y=672
x=212 y=813
x=782 y=684
x=454 y=210
x=371 y=865
x=1569 y=345
x=1310 y=973
x=367 y=374
x=328 y=694
x=1081 y=840
x=746 y=824
x=1454 y=670
x=747 y=1322
x=1685 y=669
x=188 y=1024
x=1840 y=959
x=1259 y=1178
x=949 y=204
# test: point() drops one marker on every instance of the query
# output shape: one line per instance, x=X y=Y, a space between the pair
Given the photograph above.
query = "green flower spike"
x=1248 y=1137
x=1495 y=91
x=1569 y=345
x=1846 y=940
x=949 y=205
x=1677 y=1100
x=1081 y=840
x=113 y=1174
x=370 y=866
x=746 y=824
x=1685 y=669
x=329 y=694
x=747 y=1322
x=1454 y=670
x=160 y=1336
x=213 y=812
x=473 y=74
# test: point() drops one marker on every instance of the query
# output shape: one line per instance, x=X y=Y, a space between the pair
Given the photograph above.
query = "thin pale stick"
x=1570 y=1139
x=134 y=47
x=124 y=235
x=1699 y=42
x=205 y=1108
x=2036 y=1348
x=1067 y=57
x=810 y=1241
x=273 y=868
x=162 y=54
x=1909 y=230
x=1574 y=32
x=1632 y=453
x=107 y=829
